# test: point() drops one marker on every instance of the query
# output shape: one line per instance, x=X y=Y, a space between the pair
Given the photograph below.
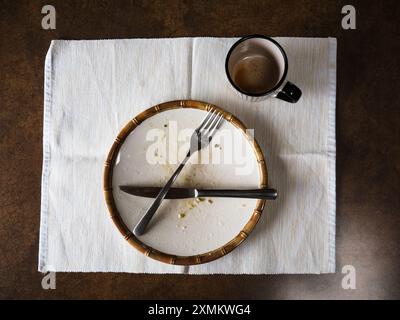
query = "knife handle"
x=267 y=193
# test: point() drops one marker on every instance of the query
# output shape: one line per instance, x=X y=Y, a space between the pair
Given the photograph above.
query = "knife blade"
x=184 y=193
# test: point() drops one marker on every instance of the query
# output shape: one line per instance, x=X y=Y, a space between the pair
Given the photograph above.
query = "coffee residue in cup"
x=256 y=74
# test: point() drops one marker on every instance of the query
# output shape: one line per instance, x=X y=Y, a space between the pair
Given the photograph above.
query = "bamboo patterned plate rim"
x=116 y=217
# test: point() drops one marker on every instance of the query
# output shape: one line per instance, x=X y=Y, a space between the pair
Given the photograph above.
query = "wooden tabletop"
x=368 y=148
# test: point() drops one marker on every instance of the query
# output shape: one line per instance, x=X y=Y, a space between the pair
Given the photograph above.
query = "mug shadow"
x=301 y=60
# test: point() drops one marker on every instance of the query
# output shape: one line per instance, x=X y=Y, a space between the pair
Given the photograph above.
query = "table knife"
x=184 y=193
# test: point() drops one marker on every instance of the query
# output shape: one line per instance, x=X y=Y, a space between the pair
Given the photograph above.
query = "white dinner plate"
x=184 y=231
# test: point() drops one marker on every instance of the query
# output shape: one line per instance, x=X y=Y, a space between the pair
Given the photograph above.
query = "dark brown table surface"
x=368 y=148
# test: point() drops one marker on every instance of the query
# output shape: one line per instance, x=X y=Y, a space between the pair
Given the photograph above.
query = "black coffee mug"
x=256 y=67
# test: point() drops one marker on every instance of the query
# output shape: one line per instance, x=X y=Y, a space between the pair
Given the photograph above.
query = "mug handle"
x=290 y=93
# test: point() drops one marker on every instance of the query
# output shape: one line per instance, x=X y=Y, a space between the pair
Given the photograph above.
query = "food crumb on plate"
x=192 y=205
x=182 y=215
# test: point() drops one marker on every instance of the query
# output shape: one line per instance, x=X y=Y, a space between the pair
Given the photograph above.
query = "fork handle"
x=144 y=221
x=266 y=193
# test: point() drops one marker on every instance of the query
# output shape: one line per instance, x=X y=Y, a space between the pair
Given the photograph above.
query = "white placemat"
x=93 y=88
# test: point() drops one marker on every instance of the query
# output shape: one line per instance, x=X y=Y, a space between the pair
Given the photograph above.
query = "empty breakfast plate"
x=192 y=230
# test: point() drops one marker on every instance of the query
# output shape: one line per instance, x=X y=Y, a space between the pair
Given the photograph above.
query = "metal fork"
x=200 y=138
